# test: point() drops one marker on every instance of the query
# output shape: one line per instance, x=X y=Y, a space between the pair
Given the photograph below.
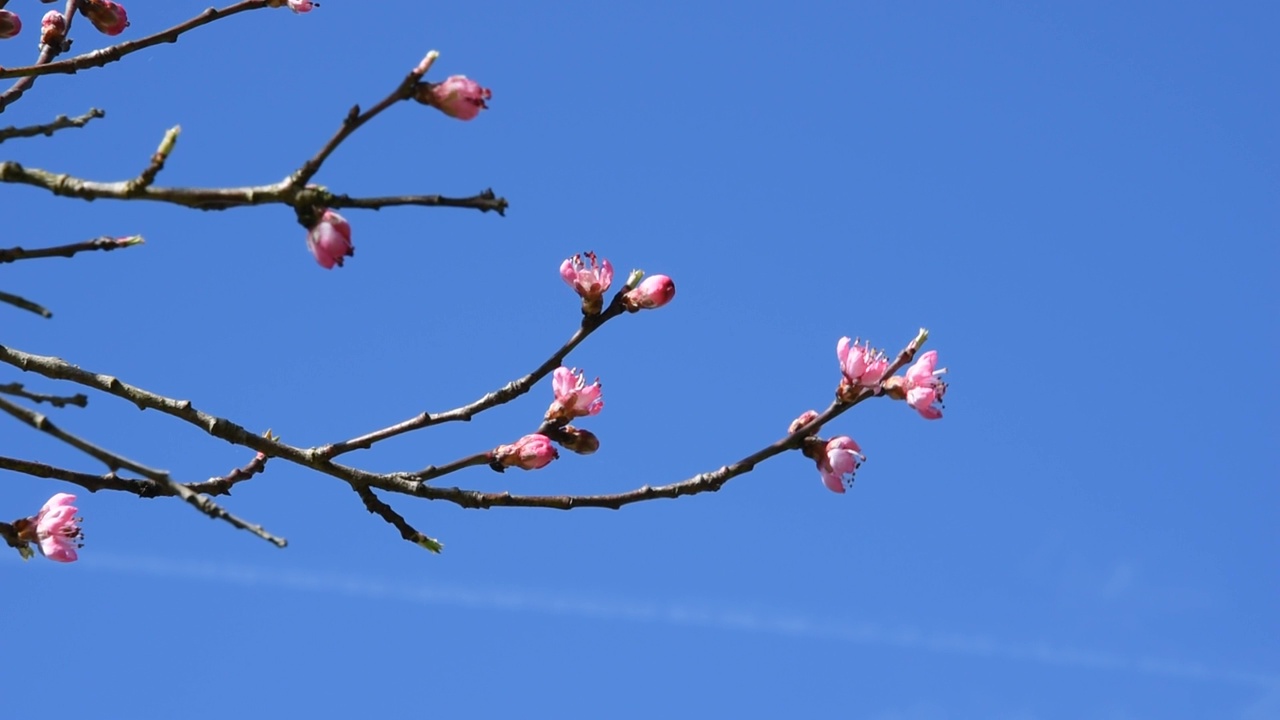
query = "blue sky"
x=1078 y=201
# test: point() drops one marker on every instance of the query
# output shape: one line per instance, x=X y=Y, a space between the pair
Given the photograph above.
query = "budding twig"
x=100 y=243
x=385 y=511
x=47 y=129
x=148 y=175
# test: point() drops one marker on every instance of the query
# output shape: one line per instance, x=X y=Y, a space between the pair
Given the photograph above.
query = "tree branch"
x=406 y=483
x=59 y=123
x=281 y=193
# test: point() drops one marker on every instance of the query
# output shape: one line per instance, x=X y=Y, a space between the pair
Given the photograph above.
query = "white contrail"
x=670 y=613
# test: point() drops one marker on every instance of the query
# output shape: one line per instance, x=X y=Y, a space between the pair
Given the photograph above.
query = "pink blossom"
x=301 y=6
x=109 y=17
x=839 y=462
x=458 y=97
x=653 y=292
x=590 y=277
x=57 y=528
x=528 y=453
x=53 y=28
x=10 y=24
x=923 y=387
x=330 y=239
x=574 y=397
x=860 y=364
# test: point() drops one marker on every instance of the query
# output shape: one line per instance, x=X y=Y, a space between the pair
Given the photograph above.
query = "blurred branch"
x=385 y=511
x=103 y=56
x=25 y=304
x=58 y=401
x=112 y=460
x=47 y=129
x=141 y=487
x=100 y=243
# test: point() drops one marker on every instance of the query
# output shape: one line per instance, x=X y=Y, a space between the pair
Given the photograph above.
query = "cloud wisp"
x=678 y=614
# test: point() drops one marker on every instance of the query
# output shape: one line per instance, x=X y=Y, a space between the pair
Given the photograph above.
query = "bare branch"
x=222 y=485
x=57 y=401
x=59 y=123
x=112 y=460
x=103 y=56
x=100 y=243
x=25 y=304
x=385 y=511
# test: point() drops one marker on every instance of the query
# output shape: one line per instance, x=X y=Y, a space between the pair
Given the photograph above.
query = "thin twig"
x=222 y=485
x=206 y=505
x=100 y=243
x=112 y=460
x=25 y=304
x=505 y=394
x=57 y=401
x=385 y=511
x=103 y=56
x=59 y=123
x=355 y=119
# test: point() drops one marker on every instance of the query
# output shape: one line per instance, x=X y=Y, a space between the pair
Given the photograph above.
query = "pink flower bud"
x=839 y=462
x=10 y=24
x=805 y=418
x=302 y=6
x=330 y=239
x=860 y=364
x=109 y=17
x=652 y=292
x=590 y=278
x=528 y=453
x=457 y=97
x=53 y=29
x=57 y=528
x=574 y=397
x=924 y=390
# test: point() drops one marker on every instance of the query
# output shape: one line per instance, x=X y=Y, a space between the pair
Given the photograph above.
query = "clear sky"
x=1079 y=200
